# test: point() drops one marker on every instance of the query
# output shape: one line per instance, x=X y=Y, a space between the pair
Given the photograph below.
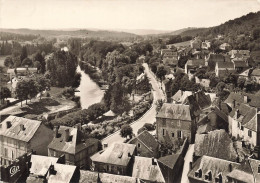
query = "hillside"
x=243 y=25
x=73 y=33
x=240 y=33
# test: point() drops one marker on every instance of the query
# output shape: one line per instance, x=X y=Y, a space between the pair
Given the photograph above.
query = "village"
x=87 y=106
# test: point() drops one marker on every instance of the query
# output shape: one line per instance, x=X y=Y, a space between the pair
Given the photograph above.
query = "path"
x=186 y=167
x=148 y=117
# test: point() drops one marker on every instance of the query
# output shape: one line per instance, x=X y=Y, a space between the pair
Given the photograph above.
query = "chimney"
x=56 y=129
x=129 y=155
x=51 y=170
x=22 y=127
x=153 y=161
x=8 y=124
x=246 y=99
x=181 y=92
x=79 y=126
x=190 y=165
x=230 y=167
x=67 y=134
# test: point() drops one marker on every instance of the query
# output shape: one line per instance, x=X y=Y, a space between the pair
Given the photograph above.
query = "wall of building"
x=171 y=127
x=142 y=150
x=11 y=149
x=41 y=140
x=109 y=168
x=238 y=132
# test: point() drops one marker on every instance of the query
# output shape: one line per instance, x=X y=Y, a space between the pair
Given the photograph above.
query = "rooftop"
x=217 y=144
x=19 y=128
x=63 y=173
x=169 y=160
x=145 y=169
x=117 y=154
x=147 y=139
x=175 y=111
x=41 y=164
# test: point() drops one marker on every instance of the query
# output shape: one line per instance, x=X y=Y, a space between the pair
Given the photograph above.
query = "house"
x=146 y=145
x=222 y=68
x=69 y=141
x=195 y=43
x=115 y=159
x=251 y=74
x=215 y=119
x=171 y=54
x=20 y=135
x=211 y=169
x=198 y=101
x=255 y=55
x=212 y=59
x=21 y=71
x=239 y=53
x=203 y=82
x=244 y=124
x=147 y=170
x=216 y=144
x=170 y=61
x=175 y=122
x=92 y=177
x=240 y=65
x=225 y=47
x=181 y=96
x=205 y=45
x=171 y=166
x=168 y=52
x=192 y=65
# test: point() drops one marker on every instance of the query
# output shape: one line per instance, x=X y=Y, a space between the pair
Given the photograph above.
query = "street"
x=148 y=117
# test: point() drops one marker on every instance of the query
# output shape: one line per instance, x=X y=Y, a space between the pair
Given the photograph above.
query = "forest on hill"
x=240 y=33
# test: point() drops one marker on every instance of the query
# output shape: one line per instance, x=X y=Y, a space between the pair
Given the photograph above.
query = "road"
x=148 y=117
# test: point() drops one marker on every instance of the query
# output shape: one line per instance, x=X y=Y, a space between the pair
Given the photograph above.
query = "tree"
x=161 y=72
x=37 y=65
x=27 y=62
x=5 y=93
x=22 y=91
x=39 y=58
x=8 y=62
x=126 y=130
x=33 y=88
x=241 y=82
x=23 y=54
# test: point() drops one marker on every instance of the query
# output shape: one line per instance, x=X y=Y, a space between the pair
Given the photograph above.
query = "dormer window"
x=198 y=173
x=218 y=178
x=208 y=176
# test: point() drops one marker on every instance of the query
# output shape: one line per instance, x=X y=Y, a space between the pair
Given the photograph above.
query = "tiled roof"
x=64 y=173
x=196 y=62
x=198 y=100
x=246 y=114
x=16 y=132
x=145 y=170
x=41 y=164
x=227 y=65
x=147 y=139
x=175 y=111
x=216 y=144
x=170 y=61
x=116 y=154
x=180 y=96
x=92 y=177
x=215 y=165
x=240 y=64
x=254 y=164
x=241 y=176
x=74 y=145
x=169 y=160
x=216 y=58
x=256 y=72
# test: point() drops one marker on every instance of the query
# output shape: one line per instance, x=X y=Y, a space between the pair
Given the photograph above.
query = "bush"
x=149 y=127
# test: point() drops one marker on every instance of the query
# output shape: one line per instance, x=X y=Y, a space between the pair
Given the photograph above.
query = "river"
x=89 y=91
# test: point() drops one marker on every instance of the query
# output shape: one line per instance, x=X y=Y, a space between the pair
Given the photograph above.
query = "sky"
x=121 y=14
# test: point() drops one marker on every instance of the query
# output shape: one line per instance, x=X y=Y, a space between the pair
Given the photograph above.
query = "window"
x=163 y=132
x=12 y=155
x=179 y=123
x=138 y=145
x=242 y=128
x=249 y=133
x=258 y=168
x=179 y=134
x=172 y=134
x=238 y=124
x=6 y=152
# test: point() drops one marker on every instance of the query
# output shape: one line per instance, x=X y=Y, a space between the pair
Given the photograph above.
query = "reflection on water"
x=89 y=91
